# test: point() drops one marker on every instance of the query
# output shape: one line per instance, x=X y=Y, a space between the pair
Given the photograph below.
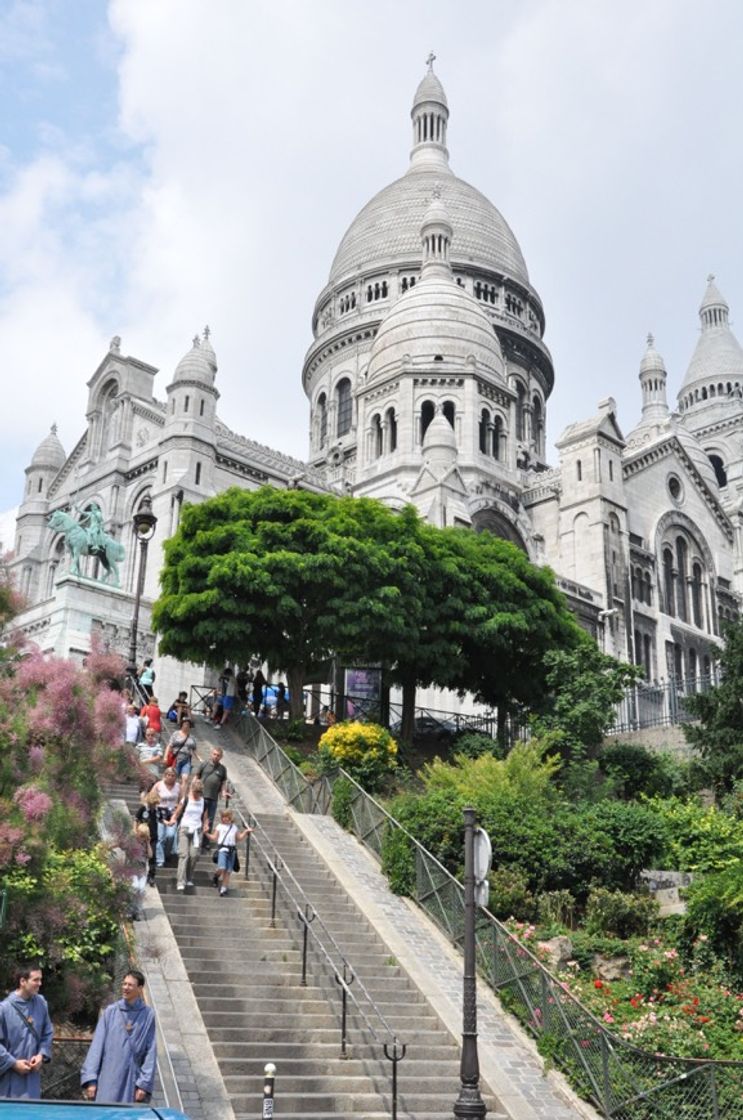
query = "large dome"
x=388 y=228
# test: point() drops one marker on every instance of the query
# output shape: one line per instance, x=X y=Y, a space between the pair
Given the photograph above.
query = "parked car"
x=429 y=728
x=84 y=1110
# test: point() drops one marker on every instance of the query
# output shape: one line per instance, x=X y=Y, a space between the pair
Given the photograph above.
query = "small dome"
x=429 y=89
x=652 y=361
x=436 y=322
x=440 y=442
x=50 y=453
x=717 y=355
x=199 y=364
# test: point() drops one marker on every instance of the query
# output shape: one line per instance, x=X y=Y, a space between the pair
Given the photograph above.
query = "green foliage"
x=474 y=744
x=698 y=837
x=634 y=770
x=527 y=772
x=289 y=730
x=718 y=737
x=398 y=860
x=715 y=915
x=556 y=909
x=636 y=835
x=582 y=687
x=623 y=915
x=510 y=896
x=366 y=751
x=340 y=806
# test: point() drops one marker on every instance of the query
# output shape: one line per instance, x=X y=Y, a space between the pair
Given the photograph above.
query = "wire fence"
x=623 y=1082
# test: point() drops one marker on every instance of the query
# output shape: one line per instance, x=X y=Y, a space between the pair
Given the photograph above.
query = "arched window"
x=520 y=411
x=449 y=411
x=537 y=430
x=376 y=436
x=498 y=438
x=648 y=589
x=696 y=594
x=719 y=468
x=391 y=422
x=344 y=406
x=427 y=414
x=484 y=430
x=681 y=564
x=322 y=410
x=668 y=581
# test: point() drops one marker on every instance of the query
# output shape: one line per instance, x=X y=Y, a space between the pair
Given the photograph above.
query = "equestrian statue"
x=87 y=537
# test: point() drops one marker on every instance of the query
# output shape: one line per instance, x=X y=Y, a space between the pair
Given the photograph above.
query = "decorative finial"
x=207 y=332
x=651 y=340
x=430 y=61
x=196 y=341
x=710 y=278
x=436 y=192
x=115 y=344
x=54 y=428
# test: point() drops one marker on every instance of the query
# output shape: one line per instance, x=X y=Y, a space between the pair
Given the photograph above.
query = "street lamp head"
x=145 y=520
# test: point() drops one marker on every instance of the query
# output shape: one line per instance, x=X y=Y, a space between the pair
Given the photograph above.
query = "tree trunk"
x=295 y=680
x=408 y=711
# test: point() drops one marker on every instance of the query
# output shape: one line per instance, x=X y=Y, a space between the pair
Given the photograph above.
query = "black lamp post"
x=144 y=522
x=469 y=1104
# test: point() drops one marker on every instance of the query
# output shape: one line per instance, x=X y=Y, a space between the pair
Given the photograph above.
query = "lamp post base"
x=469 y=1104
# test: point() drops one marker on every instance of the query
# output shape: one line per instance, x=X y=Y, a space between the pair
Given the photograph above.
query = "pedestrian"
x=169 y=792
x=147 y=678
x=241 y=680
x=259 y=682
x=25 y=1036
x=181 y=747
x=133 y=727
x=229 y=697
x=152 y=715
x=281 y=700
x=191 y=820
x=227 y=838
x=147 y=814
x=120 y=1064
x=213 y=774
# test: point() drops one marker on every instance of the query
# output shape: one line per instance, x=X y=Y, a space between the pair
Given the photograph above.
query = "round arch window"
x=675 y=489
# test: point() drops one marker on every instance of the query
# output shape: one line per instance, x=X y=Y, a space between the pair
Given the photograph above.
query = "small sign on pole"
x=483 y=859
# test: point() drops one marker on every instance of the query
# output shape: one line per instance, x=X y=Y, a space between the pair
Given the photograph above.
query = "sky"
x=171 y=164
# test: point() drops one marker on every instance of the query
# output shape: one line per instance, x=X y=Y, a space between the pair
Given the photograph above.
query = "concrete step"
x=407 y=1069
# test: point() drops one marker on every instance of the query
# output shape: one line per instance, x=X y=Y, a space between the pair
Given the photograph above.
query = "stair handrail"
x=346 y=974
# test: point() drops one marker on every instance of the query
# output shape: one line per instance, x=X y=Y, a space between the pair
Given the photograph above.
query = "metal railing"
x=60 y=1079
x=622 y=1081
x=662 y=704
x=326 y=949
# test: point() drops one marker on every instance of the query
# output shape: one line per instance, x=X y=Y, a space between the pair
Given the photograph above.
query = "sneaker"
x=190 y=883
x=222 y=892
x=215 y=880
x=180 y=887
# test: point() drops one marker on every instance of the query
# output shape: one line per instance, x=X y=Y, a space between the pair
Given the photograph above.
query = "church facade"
x=428 y=381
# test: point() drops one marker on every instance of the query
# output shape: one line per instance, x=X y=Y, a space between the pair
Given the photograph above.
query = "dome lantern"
x=430 y=116
x=436 y=235
x=653 y=383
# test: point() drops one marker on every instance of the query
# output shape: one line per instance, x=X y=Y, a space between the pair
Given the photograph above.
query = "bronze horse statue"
x=110 y=553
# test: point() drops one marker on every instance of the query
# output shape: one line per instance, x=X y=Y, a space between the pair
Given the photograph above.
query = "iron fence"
x=623 y=1082
x=60 y=1079
x=662 y=704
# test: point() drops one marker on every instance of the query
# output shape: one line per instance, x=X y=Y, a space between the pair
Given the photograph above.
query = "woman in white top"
x=191 y=818
x=227 y=838
x=170 y=794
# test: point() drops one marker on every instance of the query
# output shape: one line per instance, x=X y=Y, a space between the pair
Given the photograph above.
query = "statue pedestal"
x=65 y=623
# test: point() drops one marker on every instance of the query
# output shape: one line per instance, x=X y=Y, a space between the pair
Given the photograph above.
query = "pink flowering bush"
x=60 y=735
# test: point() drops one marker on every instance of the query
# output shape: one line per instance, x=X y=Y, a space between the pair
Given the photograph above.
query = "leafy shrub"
x=714 y=915
x=527 y=771
x=698 y=838
x=289 y=730
x=340 y=805
x=637 y=836
x=365 y=750
x=398 y=860
x=435 y=820
x=556 y=908
x=510 y=896
x=473 y=744
x=635 y=770
x=624 y=915
x=654 y=968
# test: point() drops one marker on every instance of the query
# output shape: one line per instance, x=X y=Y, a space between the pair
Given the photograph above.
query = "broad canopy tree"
x=297 y=578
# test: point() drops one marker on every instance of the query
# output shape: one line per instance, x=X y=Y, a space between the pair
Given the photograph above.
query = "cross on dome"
x=207 y=332
x=651 y=340
x=430 y=61
x=710 y=278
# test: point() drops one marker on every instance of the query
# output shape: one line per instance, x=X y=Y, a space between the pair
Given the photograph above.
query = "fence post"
x=273 y=899
x=247 y=855
x=713 y=1094
x=269 y=1076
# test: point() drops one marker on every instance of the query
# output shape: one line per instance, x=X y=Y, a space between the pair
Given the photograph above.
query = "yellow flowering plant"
x=366 y=751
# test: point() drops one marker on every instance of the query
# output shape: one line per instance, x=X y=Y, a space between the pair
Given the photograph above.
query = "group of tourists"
x=119 y=1067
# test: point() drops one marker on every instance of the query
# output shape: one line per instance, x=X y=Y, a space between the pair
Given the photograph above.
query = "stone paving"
x=509 y=1062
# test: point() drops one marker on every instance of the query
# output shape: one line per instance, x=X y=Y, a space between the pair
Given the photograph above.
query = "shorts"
x=228 y=703
x=226 y=859
x=183 y=765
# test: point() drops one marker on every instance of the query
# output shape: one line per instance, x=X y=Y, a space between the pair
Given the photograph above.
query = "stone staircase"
x=246 y=976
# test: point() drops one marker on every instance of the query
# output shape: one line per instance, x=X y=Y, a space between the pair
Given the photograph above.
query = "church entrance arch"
x=493 y=521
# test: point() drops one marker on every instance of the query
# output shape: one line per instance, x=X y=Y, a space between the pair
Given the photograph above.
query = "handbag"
x=236 y=864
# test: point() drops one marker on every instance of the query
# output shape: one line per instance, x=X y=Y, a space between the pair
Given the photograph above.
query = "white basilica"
x=428 y=381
